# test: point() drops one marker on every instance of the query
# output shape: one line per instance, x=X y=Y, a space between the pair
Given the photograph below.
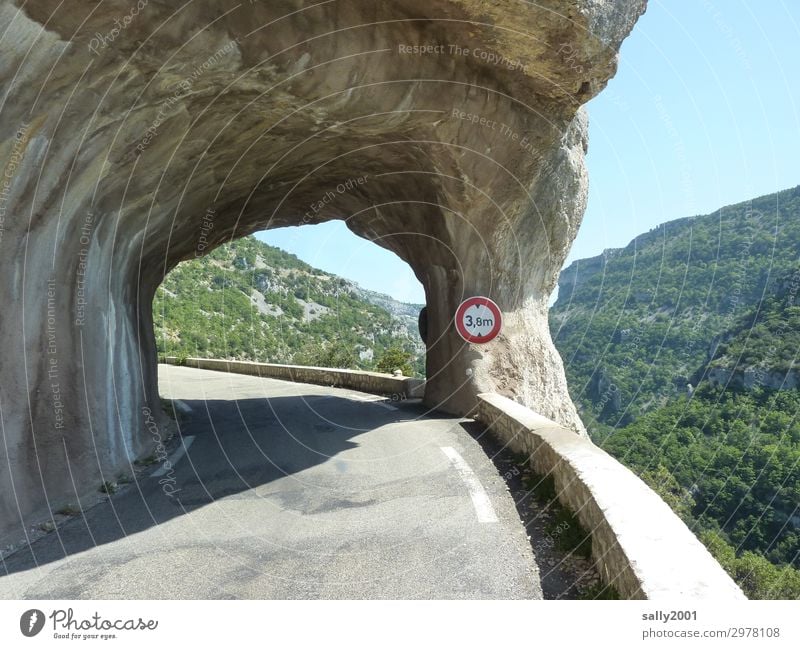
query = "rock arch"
x=133 y=133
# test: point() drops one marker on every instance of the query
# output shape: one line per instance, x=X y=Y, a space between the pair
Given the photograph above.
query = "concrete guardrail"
x=639 y=544
x=393 y=387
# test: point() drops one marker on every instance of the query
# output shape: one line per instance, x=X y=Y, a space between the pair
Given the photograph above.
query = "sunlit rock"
x=135 y=135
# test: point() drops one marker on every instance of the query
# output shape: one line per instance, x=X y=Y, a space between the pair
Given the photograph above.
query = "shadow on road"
x=563 y=574
x=239 y=445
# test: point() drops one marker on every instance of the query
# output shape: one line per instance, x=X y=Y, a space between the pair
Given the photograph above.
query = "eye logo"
x=31 y=622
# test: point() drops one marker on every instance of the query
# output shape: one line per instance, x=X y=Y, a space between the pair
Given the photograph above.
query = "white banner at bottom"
x=398 y=624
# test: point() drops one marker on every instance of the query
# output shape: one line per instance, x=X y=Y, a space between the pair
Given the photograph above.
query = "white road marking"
x=185 y=408
x=378 y=401
x=384 y=404
x=175 y=457
x=480 y=499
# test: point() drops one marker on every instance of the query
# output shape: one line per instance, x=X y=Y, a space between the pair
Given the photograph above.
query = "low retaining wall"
x=638 y=543
x=387 y=385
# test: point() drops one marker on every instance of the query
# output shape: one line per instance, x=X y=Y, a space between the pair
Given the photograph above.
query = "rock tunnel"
x=137 y=134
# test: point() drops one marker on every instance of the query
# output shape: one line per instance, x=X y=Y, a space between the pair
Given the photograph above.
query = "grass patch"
x=108 y=488
x=564 y=528
x=543 y=490
x=168 y=408
x=569 y=533
x=69 y=510
x=600 y=592
x=146 y=461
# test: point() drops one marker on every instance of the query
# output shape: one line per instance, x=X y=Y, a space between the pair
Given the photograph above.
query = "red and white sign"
x=478 y=320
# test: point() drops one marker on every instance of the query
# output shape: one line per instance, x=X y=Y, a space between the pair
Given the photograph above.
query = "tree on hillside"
x=319 y=354
x=393 y=359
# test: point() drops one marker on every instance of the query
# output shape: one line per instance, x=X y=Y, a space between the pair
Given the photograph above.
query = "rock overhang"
x=151 y=130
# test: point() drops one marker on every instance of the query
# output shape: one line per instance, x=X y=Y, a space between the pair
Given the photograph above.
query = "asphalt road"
x=293 y=491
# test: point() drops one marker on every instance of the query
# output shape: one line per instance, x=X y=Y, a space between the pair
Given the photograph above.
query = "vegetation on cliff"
x=247 y=300
x=679 y=352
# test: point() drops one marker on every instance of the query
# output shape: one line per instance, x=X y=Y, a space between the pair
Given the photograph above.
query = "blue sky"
x=704 y=111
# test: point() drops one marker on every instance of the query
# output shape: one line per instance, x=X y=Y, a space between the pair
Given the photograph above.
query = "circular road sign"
x=478 y=320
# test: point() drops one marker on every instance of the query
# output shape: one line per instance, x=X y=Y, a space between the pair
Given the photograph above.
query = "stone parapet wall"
x=640 y=546
x=393 y=387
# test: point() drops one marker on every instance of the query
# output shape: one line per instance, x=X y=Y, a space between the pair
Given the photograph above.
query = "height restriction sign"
x=478 y=320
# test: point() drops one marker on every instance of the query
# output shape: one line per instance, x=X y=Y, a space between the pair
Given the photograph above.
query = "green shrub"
x=393 y=359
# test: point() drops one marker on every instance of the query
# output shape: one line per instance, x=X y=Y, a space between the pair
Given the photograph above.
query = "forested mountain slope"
x=251 y=301
x=681 y=353
x=633 y=325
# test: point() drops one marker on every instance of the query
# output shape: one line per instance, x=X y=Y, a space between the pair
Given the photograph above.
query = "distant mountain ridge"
x=761 y=349
x=251 y=301
x=394 y=307
x=655 y=306
x=681 y=354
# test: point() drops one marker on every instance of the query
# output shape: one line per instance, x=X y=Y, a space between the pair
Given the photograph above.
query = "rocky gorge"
x=137 y=135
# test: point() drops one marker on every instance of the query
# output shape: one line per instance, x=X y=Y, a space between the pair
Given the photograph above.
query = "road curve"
x=288 y=491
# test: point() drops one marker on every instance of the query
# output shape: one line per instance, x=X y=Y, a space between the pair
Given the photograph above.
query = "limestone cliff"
x=139 y=133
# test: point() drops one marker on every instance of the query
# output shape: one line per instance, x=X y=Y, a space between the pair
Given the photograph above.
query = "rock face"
x=139 y=133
